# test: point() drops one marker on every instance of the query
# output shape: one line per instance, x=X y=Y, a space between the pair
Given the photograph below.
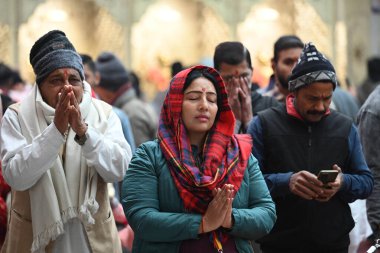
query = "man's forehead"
x=64 y=71
x=318 y=88
x=290 y=52
x=226 y=68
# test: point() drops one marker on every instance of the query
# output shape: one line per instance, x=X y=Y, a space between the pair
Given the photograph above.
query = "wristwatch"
x=80 y=139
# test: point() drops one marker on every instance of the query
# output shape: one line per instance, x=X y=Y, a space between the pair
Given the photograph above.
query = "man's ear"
x=295 y=93
x=273 y=64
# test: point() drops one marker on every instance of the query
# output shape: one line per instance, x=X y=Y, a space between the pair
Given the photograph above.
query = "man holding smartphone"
x=293 y=144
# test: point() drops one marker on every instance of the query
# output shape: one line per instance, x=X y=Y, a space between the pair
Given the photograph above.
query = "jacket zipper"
x=309 y=130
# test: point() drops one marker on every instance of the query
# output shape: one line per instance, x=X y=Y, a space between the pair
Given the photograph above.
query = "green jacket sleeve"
x=258 y=219
x=141 y=204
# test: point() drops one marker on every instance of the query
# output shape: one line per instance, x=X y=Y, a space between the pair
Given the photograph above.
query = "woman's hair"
x=196 y=73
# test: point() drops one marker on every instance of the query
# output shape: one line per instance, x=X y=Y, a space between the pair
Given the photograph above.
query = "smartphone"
x=327 y=176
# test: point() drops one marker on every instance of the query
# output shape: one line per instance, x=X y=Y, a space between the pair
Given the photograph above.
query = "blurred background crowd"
x=152 y=40
x=149 y=35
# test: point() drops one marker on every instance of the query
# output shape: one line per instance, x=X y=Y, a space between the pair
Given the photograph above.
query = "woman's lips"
x=202 y=118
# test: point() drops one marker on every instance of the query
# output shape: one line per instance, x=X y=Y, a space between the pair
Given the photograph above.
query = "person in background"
x=175 y=68
x=372 y=80
x=233 y=61
x=292 y=144
x=286 y=51
x=368 y=123
x=6 y=77
x=158 y=100
x=116 y=89
x=344 y=102
x=135 y=80
x=19 y=89
x=4 y=190
x=197 y=188
x=92 y=76
x=59 y=148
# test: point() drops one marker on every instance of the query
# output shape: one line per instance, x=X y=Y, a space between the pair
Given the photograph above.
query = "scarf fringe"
x=41 y=240
x=89 y=207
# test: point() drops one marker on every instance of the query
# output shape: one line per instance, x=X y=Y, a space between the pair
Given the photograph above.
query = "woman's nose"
x=203 y=105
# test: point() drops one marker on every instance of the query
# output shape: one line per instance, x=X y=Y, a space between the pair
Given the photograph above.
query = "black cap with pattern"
x=312 y=67
x=54 y=51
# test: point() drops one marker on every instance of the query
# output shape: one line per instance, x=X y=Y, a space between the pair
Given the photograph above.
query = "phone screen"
x=327 y=176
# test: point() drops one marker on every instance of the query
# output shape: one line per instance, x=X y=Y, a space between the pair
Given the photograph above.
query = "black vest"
x=292 y=145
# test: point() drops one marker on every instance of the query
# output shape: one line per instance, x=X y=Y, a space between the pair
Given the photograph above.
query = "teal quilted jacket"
x=156 y=212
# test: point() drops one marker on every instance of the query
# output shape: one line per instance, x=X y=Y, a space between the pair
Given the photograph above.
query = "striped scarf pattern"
x=225 y=155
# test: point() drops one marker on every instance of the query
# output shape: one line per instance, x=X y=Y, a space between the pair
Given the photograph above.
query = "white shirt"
x=24 y=164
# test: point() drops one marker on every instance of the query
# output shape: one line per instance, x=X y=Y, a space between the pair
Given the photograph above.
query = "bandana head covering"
x=54 y=51
x=312 y=67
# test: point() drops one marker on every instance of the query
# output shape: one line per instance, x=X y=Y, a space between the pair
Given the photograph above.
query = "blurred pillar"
x=235 y=16
x=340 y=42
x=375 y=27
x=129 y=7
x=14 y=27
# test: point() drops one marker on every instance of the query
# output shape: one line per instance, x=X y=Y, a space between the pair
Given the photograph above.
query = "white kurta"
x=24 y=164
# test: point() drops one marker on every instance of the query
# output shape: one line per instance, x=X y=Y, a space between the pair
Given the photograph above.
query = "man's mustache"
x=315 y=112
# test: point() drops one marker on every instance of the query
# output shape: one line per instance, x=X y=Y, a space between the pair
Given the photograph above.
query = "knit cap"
x=112 y=72
x=312 y=67
x=51 y=52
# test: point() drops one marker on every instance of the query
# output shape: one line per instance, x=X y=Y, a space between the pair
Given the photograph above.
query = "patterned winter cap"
x=312 y=67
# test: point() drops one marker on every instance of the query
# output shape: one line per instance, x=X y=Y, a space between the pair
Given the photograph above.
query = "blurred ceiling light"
x=267 y=14
x=168 y=14
x=57 y=15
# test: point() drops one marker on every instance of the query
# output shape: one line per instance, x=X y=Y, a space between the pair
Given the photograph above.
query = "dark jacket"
x=260 y=102
x=287 y=145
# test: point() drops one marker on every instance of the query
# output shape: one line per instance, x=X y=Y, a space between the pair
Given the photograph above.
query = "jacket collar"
x=292 y=110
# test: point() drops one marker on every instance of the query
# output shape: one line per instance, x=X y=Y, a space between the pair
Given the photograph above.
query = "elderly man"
x=292 y=144
x=59 y=147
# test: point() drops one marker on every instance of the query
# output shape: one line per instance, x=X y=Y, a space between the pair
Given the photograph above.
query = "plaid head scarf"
x=225 y=155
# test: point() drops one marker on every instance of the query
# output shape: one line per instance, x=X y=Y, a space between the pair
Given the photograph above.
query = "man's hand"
x=75 y=117
x=305 y=185
x=61 y=116
x=233 y=88
x=239 y=98
x=328 y=193
x=245 y=101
